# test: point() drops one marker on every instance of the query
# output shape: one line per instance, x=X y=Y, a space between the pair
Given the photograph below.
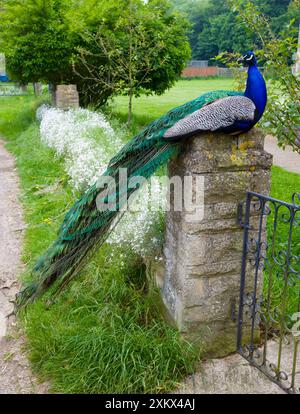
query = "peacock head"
x=248 y=59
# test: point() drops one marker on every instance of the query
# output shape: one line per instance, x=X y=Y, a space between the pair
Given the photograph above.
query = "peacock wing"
x=217 y=115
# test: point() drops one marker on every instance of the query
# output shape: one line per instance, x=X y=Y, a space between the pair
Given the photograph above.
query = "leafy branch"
x=282 y=117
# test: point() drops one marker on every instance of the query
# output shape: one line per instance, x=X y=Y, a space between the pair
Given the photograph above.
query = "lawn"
x=284 y=185
x=105 y=332
x=148 y=108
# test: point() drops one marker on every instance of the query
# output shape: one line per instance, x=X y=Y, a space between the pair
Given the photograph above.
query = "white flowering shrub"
x=86 y=141
x=40 y=112
x=71 y=135
x=142 y=226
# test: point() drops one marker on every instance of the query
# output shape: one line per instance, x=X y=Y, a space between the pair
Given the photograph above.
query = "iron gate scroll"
x=269 y=310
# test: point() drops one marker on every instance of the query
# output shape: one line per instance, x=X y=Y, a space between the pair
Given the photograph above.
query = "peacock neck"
x=256 y=90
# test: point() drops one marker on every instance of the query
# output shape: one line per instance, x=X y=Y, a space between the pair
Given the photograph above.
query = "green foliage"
x=36 y=40
x=223 y=34
x=283 y=111
x=128 y=47
x=215 y=29
x=197 y=13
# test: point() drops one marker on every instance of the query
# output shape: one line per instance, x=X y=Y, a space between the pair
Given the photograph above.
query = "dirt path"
x=287 y=159
x=15 y=374
x=230 y=375
x=234 y=375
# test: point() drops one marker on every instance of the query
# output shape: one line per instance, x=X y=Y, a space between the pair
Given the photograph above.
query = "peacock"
x=85 y=227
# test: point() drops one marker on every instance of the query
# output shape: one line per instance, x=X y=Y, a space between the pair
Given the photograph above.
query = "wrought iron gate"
x=269 y=310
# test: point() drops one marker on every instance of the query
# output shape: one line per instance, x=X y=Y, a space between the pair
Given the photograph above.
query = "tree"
x=215 y=29
x=197 y=13
x=130 y=47
x=121 y=70
x=223 y=34
x=283 y=110
x=36 y=40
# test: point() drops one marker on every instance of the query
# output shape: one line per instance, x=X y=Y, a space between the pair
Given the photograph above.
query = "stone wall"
x=193 y=72
x=66 y=97
x=200 y=275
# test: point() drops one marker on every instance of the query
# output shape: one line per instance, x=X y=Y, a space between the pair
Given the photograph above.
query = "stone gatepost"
x=66 y=97
x=200 y=276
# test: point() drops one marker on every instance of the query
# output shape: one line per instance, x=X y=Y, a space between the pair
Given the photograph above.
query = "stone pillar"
x=66 y=97
x=200 y=276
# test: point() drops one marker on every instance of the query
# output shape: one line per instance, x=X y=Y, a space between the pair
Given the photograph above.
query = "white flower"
x=86 y=141
x=71 y=134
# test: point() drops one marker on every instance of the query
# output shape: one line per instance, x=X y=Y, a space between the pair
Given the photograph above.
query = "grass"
x=284 y=297
x=284 y=184
x=104 y=334
x=148 y=108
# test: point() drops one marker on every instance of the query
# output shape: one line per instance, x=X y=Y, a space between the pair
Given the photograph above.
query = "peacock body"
x=85 y=228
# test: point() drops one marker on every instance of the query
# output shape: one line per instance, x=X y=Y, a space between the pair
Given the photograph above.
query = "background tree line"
x=215 y=29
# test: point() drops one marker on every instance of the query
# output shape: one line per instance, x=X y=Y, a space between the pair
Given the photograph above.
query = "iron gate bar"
x=268 y=321
x=245 y=225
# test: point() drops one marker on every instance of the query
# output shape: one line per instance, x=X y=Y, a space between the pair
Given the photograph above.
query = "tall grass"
x=105 y=335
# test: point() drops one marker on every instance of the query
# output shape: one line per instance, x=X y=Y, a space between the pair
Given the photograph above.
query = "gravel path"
x=287 y=159
x=15 y=374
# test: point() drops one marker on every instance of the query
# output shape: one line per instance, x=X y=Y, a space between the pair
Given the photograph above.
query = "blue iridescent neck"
x=256 y=90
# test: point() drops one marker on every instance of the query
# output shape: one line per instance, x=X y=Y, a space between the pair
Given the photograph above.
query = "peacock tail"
x=85 y=227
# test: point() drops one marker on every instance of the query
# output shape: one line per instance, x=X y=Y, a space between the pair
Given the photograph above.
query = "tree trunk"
x=130 y=108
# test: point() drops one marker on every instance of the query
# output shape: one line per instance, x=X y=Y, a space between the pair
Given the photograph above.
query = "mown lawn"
x=148 y=108
x=104 y=334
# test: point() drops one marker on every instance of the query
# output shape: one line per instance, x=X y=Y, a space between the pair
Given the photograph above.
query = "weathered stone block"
x=66 y=97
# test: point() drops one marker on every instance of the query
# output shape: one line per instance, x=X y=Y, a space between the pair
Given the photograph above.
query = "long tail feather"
x=85 y=228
